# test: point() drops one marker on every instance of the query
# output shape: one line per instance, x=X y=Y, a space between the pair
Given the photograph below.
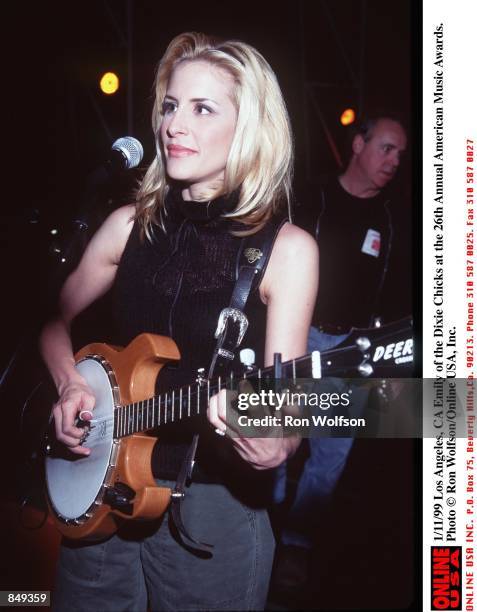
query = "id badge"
x=372 y=243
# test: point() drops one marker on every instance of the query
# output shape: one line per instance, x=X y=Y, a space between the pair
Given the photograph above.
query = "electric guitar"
x=89 y=496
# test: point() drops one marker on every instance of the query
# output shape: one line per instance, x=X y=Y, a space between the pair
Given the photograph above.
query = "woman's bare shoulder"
x=113 y=234
x=122 y=218
x=292 y=241
x=293 y=263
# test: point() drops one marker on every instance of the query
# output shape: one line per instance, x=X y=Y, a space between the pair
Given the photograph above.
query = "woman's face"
x=198 y=123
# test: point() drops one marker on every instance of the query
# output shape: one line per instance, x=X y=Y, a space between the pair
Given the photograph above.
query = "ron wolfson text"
x=293 y=421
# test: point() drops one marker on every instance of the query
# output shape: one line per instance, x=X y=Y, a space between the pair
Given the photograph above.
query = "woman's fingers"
x=216 y=412
x=222 y=412
x=248 y=440
x=74 y=402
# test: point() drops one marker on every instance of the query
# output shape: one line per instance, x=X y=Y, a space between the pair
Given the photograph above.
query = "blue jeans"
x=148 y=566
x=320 y=474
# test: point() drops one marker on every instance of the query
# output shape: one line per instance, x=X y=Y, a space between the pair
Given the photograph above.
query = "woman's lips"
x=178 y=151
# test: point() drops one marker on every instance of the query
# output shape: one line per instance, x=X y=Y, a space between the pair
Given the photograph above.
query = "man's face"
x=379 y=156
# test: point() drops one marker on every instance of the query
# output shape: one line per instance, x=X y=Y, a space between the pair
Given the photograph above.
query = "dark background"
x=58 y=126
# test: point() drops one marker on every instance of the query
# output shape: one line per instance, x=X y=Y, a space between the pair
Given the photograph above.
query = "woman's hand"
x=261 y=453
x=76 y=401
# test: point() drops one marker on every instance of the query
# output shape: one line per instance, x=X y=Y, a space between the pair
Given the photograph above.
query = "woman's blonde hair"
x=260 y=160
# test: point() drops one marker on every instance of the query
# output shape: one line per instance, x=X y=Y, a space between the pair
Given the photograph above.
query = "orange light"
x=347 y=116
x=109 y=83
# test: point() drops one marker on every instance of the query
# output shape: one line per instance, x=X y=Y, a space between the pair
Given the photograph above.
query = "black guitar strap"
x=252 y=260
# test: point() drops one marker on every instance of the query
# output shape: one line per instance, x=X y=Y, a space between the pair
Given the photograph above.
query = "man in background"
x=354 y=230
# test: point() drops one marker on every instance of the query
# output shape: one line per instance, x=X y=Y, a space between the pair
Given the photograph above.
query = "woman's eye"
x=201 y=109
x=168 y=107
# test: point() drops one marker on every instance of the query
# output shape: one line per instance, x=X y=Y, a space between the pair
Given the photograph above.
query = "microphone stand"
x=23 y=448
x=92 y=200
x=29 y=423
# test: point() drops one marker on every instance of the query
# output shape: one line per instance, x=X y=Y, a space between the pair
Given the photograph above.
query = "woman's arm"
x=289 y=289
x=90 y=280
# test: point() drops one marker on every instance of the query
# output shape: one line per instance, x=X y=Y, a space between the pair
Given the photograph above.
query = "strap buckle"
x=225 y=354
x=237 y=316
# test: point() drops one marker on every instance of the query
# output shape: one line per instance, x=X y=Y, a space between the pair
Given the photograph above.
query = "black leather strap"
x=251 y=264
x=178 y=495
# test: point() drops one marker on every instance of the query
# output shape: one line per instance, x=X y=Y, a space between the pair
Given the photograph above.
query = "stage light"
x=53 y=232
x=109 y=83
x=347 y=116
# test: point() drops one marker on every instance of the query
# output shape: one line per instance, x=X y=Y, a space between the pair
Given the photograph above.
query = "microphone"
x=126 y=153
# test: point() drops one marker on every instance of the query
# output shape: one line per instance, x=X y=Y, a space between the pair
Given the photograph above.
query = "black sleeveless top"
x=176 y=285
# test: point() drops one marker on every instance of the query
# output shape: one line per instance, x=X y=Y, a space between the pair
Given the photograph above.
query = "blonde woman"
x=222 y=170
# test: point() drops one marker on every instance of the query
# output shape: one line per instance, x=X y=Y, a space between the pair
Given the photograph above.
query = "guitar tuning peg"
x=365 y=369
x=363 y=343
x=247 y=357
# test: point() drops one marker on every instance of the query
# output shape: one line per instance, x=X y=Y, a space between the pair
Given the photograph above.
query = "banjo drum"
x=89 y=495
x=76 y=484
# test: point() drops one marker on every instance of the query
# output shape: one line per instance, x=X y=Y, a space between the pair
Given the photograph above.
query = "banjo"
x=89 y=496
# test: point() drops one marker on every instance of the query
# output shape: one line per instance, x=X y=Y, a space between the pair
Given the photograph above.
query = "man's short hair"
x=364 y=126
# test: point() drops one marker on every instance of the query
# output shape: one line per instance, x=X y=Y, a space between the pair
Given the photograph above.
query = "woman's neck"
x=203 y=192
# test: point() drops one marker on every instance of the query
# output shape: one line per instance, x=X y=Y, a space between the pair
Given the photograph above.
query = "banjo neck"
x=365 y=353
x=193 y=400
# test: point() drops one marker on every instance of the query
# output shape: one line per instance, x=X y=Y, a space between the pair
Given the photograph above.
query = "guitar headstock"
x=386 y=351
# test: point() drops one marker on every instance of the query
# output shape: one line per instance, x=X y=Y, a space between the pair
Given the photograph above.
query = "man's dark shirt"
x=354 y=240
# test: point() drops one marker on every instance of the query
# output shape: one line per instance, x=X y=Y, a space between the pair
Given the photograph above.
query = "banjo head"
x=75 y=482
